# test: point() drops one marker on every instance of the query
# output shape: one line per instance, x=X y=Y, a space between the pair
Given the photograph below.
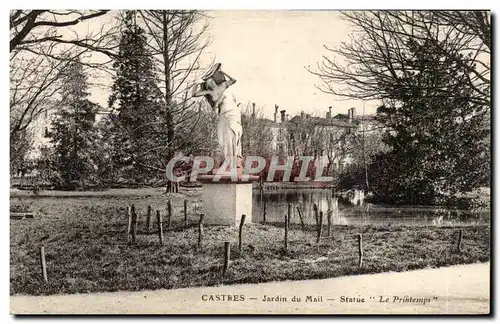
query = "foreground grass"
x=86 y=249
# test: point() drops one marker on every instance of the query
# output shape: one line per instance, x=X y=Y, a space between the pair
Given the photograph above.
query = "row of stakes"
x=132 y=231
x=132 y=221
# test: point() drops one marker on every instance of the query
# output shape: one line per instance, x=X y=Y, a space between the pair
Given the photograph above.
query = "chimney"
x=349 y=115
x=283 y=115
x=329 y=113
x=253 y=109
x=275 y=112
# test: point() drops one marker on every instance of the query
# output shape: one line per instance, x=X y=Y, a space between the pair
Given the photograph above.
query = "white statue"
x=229 y=129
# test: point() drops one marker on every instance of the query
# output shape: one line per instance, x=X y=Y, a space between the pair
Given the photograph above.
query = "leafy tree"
x=439 y=142
x=105 y=151
x=135 y=97
x=20 y=145
x=73 y=132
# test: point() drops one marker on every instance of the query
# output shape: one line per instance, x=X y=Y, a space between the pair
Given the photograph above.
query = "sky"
x=267 y=52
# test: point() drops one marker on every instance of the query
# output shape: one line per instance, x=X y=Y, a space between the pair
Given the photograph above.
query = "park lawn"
x=86 y=248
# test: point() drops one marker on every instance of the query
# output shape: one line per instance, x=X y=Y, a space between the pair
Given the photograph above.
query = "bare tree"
x=204 y=136
x=33 y=83
x=316 y=136
x=29 y=27
x=176 y=42
x=257 y=135
x=375 y=60
x=42 y=44
x=338 y=144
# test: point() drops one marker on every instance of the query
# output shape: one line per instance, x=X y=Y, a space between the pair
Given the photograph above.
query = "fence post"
x=200 y=232
x=301 y=219
x=316 y=216
x=360 y=247
x=43 y=264
x=160 y=226
x=227 y=256
x=459 y=245
x=286 y=232
x=320 y=226
x=148 y=219
x=242 y=222
x=329 y=216
x=264 y=215
x=134 y=224
x=289 y=212
x=185 y=213
x=169 y=213
x=129 y=227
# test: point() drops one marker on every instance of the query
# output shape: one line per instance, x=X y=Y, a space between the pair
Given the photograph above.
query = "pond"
x=276 y=206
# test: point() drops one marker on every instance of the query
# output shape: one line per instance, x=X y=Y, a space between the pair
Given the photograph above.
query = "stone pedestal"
x=225 y=201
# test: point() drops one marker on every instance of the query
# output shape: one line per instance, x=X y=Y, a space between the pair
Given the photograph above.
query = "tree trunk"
x=170 y=186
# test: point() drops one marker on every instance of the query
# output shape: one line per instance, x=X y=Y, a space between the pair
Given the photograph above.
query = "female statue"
x=229 y=129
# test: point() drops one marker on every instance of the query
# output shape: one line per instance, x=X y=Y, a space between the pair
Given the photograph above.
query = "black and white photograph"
x=194 y=161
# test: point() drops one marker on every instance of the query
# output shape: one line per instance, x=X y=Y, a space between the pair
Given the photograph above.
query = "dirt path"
x=452 y=290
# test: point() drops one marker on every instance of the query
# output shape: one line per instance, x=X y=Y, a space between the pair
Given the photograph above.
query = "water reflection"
x=277 y=201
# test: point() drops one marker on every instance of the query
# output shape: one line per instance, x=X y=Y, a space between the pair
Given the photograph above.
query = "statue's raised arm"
x=230 y=80
x=197 y=92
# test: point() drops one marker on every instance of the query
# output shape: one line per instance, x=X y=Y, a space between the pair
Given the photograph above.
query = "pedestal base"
x=225 y=201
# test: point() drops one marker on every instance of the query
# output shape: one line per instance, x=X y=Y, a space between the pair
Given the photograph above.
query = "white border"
x=256 y=4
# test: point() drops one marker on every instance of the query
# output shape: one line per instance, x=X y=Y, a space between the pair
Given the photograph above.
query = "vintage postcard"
x=250 y=162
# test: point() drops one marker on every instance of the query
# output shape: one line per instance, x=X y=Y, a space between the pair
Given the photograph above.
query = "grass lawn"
x=86 y=248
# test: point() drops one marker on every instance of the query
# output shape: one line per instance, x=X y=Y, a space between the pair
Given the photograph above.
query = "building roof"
x=272 y=123
x=357 y=119
x=324 y=121
x=340 y=116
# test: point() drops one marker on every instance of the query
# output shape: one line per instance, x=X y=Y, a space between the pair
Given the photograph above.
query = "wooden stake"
x=301 y=219
x=360 y=247
x=329 y=217
x=289 y=213
x=227 y=256
x=129 y=227
x=185 y=213
x=242 y=222
x=320 y=226
x=264 y=215
x=169 y=213
x=316 y=216
x=43 y=264
x=148 y=219
x=200 y=232
x=134 y=224
x=459 y=245
x=286 y=232
x=159 y=224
